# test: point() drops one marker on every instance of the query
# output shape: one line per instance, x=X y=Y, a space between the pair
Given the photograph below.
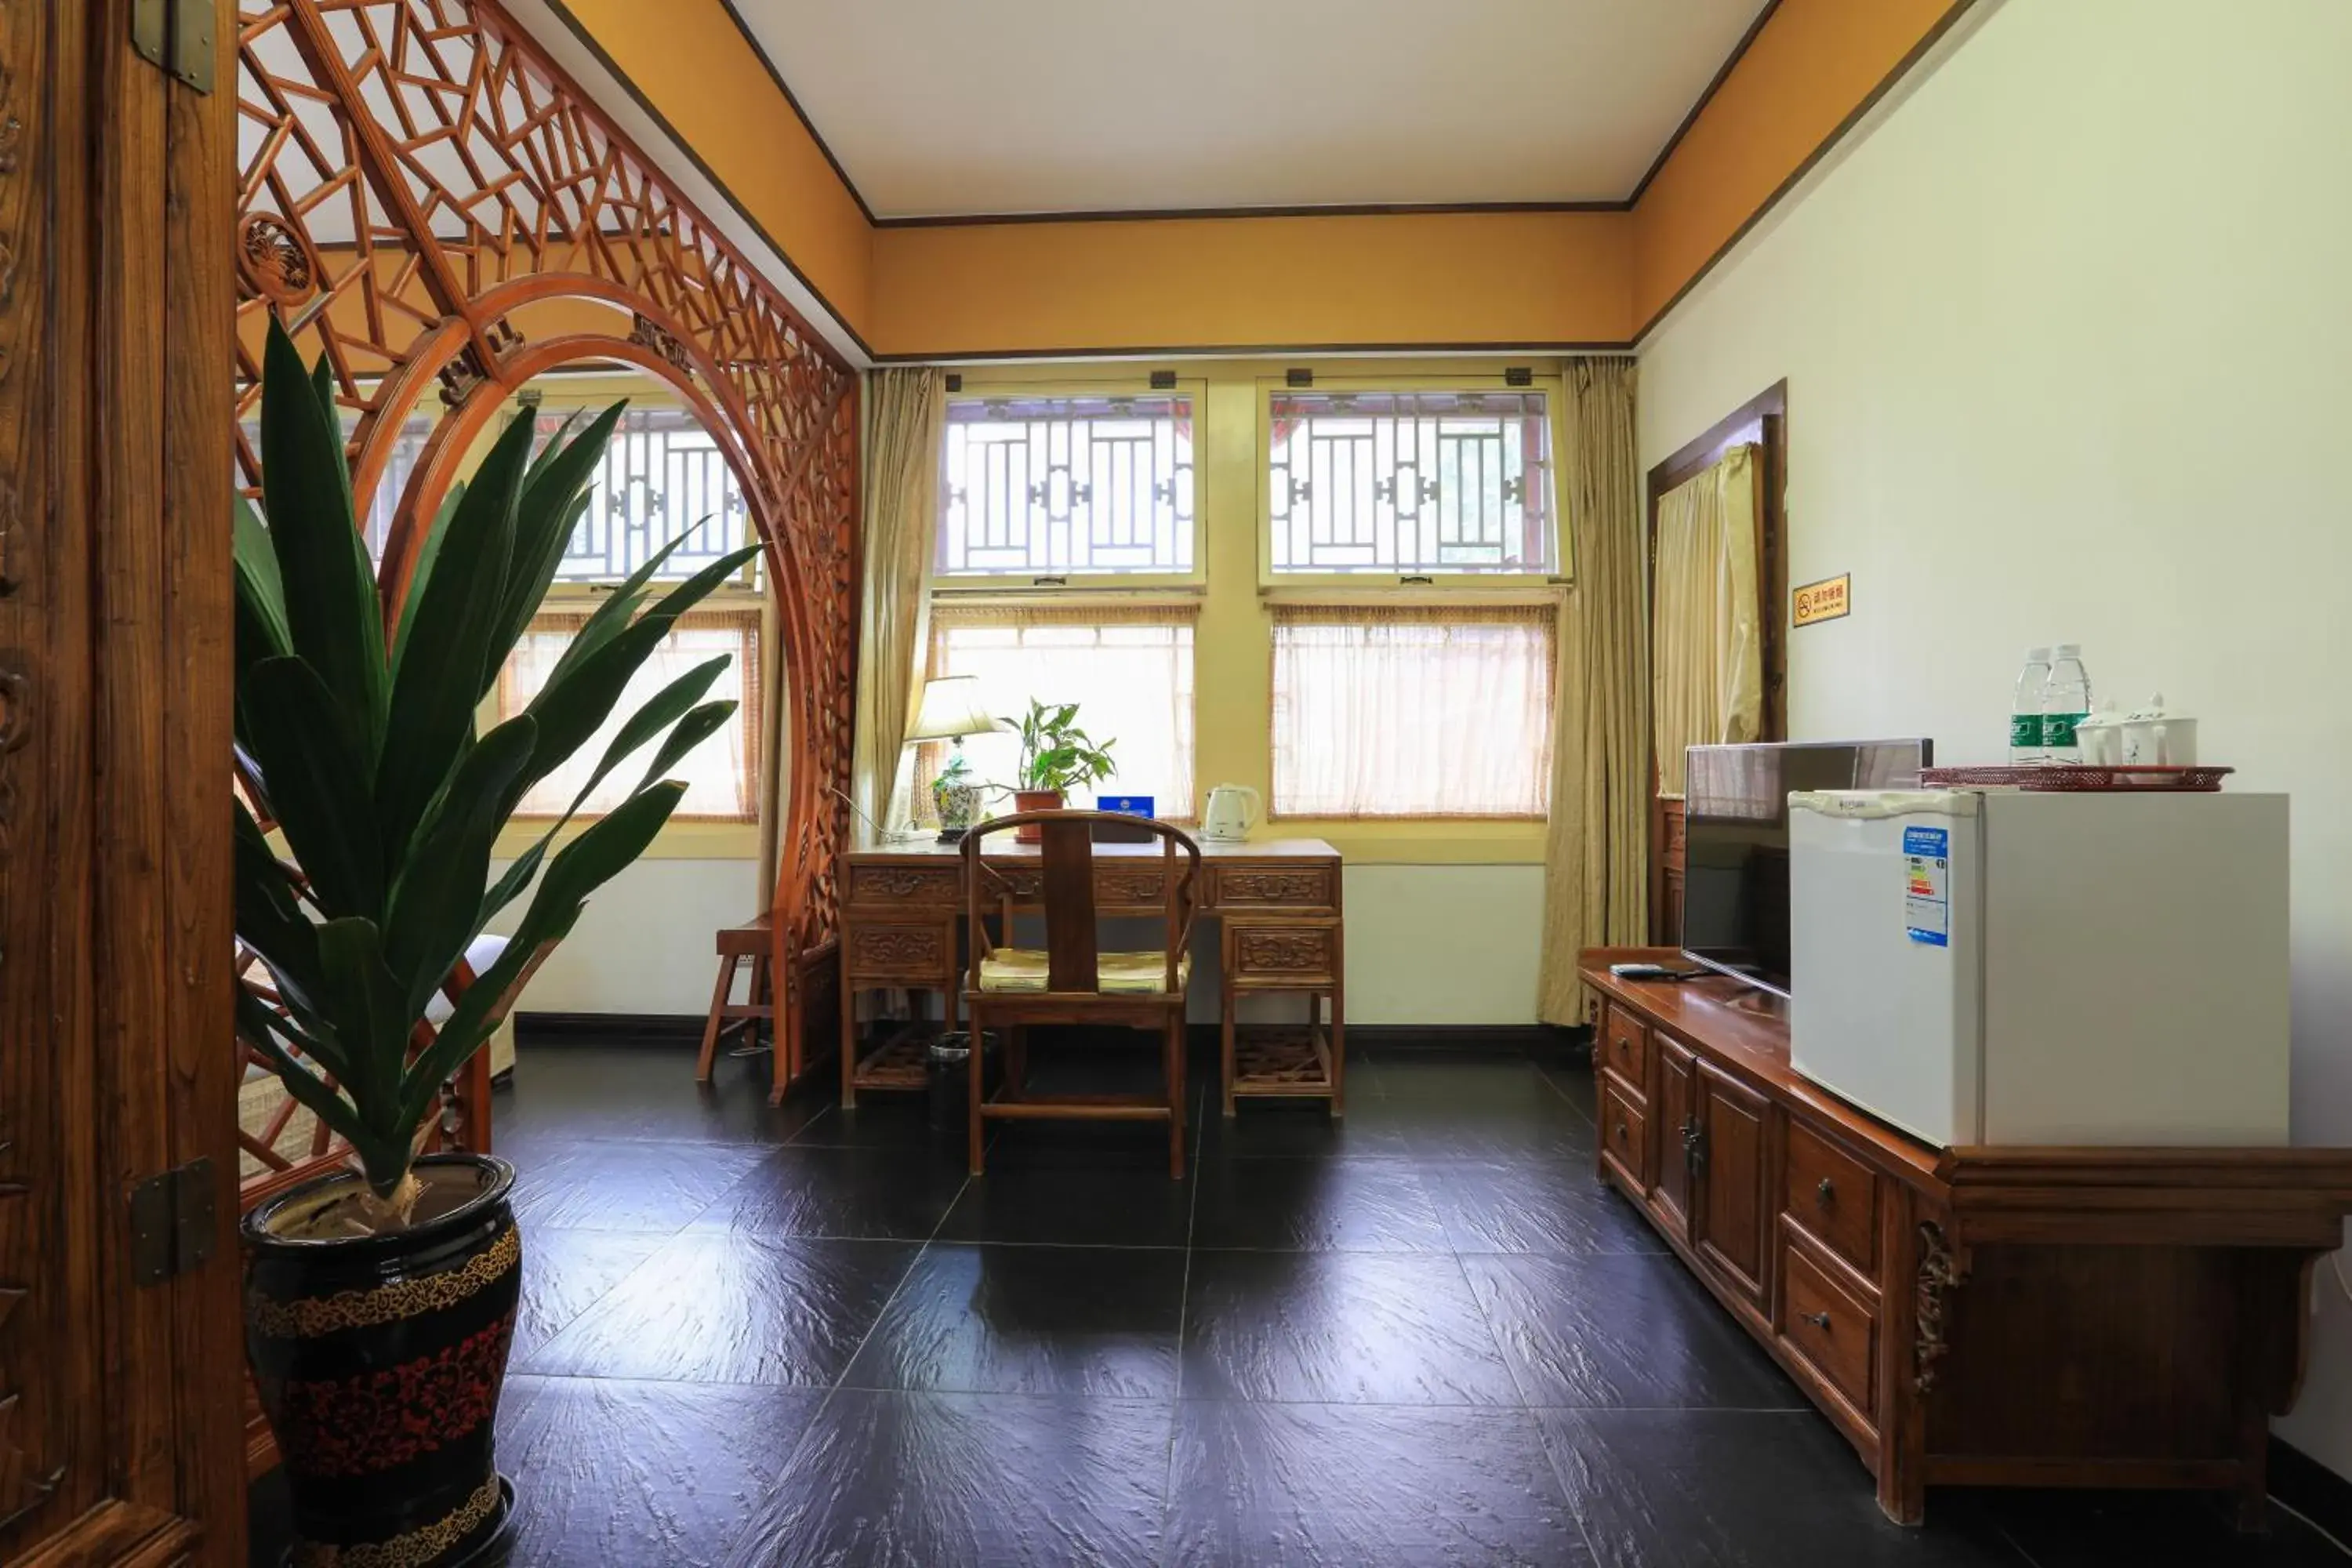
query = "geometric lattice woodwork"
x=430 y=202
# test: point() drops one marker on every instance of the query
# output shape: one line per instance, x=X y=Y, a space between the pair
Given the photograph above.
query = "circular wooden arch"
x=410 y=252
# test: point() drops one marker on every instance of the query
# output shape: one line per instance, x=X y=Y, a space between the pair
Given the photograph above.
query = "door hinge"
x=175 y=35
x=172 y=1223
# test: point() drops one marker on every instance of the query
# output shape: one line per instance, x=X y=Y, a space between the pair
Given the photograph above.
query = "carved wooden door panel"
x=120 y=1352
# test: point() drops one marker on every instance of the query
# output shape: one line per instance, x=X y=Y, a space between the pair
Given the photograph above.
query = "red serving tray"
x=2077 y=776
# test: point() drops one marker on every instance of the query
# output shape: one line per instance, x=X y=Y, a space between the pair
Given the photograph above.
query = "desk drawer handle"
x=1826 y=1193
x=1819 y=1319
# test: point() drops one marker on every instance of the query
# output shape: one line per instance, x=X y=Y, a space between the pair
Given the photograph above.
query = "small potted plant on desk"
x=379 y=1298
x=1056 y=757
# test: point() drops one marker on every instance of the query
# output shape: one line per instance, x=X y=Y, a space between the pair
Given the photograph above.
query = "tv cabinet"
x=2081 y=1317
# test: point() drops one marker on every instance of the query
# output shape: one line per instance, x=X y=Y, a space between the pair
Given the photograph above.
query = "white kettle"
x=1233 y=812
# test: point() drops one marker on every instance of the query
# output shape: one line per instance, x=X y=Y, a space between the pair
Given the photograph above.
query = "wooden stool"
x=736 y=943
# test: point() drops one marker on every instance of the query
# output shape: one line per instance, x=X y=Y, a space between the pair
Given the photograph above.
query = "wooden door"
x=119 y=1349
x=1677 y=1130
x=1728 y=1220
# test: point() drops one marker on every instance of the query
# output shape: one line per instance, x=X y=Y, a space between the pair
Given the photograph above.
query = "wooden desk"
x=2075 y=1317
x=1276 y=899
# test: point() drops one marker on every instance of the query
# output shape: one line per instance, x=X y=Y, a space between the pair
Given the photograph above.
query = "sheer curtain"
x=1412 y=712
x=1129 y=670
x=1706 y=647
x=721 y=774
x=1596 y=886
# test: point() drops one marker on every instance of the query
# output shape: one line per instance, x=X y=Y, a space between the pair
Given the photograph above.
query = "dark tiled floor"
x=1426 y=1335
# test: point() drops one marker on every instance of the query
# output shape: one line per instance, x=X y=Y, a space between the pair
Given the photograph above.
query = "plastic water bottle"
x=2025 y=711
x=2066 y=705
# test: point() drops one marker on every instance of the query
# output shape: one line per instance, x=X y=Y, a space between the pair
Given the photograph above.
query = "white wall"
x=2069 y=356
x=645 y=943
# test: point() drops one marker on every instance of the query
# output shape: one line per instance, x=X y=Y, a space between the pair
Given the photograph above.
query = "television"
x=1735 y=841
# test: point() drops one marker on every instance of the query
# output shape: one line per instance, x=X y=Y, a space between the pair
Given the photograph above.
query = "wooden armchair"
x=1071 y=980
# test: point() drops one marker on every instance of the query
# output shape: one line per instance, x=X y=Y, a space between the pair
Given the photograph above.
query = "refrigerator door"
x=1885 y=953
x=2136 y=969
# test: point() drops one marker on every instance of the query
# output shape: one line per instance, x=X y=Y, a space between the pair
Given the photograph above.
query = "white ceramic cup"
x=2160 y=742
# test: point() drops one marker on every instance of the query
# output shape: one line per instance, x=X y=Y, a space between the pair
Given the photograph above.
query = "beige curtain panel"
x=1596 y=882
x=1707 y=639
x=906 y=412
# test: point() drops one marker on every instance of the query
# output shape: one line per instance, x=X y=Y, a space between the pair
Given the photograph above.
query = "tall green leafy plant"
x=1056 y=754
x=365 y=748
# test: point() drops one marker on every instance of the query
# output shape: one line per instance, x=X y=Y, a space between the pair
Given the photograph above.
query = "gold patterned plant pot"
x=379 y=1360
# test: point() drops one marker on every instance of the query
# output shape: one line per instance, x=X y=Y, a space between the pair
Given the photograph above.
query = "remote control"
x=1652 y=971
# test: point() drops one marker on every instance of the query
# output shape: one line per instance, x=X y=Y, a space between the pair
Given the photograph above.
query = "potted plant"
x=380 y=1300
x=1056 y=757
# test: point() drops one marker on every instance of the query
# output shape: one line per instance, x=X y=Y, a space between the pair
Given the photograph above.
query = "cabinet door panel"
x=1728 y=1220
x=1675 y=1115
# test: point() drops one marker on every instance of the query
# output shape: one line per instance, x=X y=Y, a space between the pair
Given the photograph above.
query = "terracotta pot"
x=1035 y=800
x=379 y=1360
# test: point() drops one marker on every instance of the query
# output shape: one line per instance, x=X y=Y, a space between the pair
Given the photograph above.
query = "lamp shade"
x=951 y=710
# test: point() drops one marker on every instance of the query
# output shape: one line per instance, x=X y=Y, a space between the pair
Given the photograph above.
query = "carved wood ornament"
x=1939 y=1273
x=473 y=220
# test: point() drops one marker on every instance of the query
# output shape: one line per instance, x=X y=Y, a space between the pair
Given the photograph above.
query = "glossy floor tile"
x=720 y=1308
x=1421 y=1335
x=1310 y=1485
x=924 y=1481
x=610 y=1471
x=1030 y=1319
x=1632 y=1331
x=1357 y=1327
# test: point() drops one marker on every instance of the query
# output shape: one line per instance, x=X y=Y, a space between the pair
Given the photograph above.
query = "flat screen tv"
x=1735 y=841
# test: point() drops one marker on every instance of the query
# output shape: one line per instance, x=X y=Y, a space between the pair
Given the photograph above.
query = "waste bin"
x=948 y=1062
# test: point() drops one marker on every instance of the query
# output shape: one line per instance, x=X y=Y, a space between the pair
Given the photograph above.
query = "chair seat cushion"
x=1016 y=969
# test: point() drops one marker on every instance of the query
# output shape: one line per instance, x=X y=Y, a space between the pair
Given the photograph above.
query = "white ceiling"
x=941 y=107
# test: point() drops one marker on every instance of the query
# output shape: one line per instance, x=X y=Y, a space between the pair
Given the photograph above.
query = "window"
x=1412 y=712
x=722 y=774
x=1063 y=486
x=1130 y=671
x=1412 y=484
x=663 y=474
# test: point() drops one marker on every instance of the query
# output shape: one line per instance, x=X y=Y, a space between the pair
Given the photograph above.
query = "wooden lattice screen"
x=432 y=203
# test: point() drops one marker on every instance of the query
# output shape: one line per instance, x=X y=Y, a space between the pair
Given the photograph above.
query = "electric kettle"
x=1232 y=811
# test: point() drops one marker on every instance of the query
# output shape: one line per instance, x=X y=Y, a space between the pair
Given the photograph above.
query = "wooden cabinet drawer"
x=1833 y=1195
x=1271 y=955
x=879 y=954
x=1828 y=1326
x=937 y=887
x=1624 y=1134
x=1625 y=1048
x=1127 y=887
x=1306 y=886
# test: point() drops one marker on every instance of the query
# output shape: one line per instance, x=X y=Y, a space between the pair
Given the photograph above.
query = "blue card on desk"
x=1125 y=805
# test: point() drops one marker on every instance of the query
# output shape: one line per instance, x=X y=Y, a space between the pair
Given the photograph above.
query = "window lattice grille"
x=663 y=473
x=1410 y=483
x=1062 y=486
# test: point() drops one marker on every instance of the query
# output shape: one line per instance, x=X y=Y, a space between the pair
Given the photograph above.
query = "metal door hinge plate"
x=172 y=1223
x=175 y=35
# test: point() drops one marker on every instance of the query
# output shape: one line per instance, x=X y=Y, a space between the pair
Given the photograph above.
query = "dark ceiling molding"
x=807 y=124
x=1255 y=351
x=587 y=40
x=1730 y=63
x=1162 y=215
x=1886 y=84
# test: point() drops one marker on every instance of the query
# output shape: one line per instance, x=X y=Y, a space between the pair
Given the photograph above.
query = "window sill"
x=1420 y=840
x=676 y=841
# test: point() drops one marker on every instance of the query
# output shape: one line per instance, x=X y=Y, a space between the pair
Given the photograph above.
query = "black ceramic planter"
x=379 y=1360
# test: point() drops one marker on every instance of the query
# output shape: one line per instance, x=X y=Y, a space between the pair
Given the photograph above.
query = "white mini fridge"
x=1998 y=967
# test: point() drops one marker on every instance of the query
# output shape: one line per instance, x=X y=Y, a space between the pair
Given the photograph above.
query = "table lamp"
x=951 y=710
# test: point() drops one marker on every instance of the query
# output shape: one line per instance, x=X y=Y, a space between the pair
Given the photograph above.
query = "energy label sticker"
x=1927 y=886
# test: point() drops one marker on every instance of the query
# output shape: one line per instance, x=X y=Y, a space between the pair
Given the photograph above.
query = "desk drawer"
x=1302 y=886
x=881 y=952
x=1829 y=1325
x=937 y=887
x=1117 y=886
x=1625 y=1048
x=1833 y=1195
x=1295 y=954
